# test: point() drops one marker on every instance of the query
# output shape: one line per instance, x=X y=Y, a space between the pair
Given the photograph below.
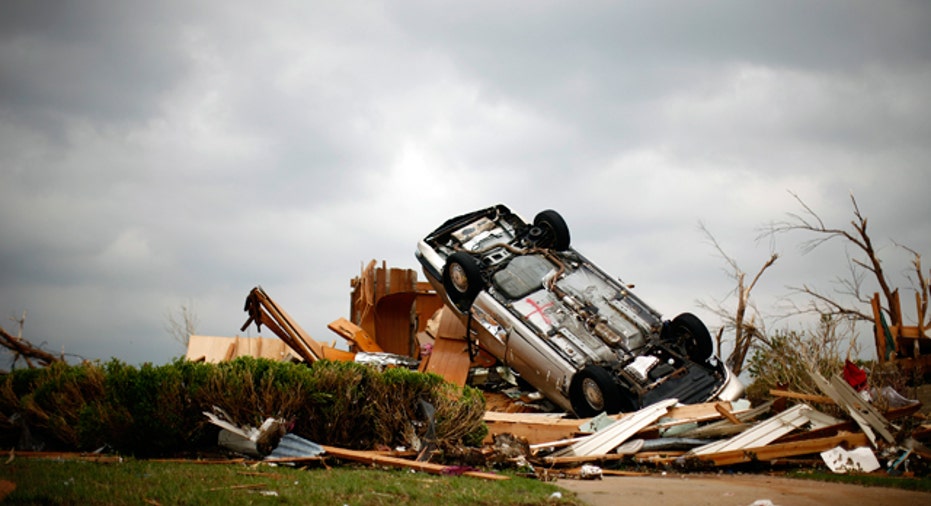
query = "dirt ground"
x=736 y=490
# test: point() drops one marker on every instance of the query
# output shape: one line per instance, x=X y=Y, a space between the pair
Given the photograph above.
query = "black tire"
x=550 y=231
x=462 y=279
x=687 y=332
x=593 y=391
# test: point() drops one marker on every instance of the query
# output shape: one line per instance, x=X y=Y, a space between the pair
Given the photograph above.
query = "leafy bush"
x=158 y=410
x=784 y=359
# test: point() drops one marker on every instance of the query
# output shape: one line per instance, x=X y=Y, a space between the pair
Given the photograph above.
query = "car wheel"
x=550 y=231
x=689 y=333
x=462 y=279
x=593 y=391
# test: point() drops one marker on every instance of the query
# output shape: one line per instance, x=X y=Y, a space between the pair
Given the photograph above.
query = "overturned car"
x=563 y=325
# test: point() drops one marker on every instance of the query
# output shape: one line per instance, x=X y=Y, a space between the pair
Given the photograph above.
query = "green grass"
x=922 y=484
x=148 y=482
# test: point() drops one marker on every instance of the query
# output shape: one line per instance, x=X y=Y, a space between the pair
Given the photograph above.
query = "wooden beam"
x=726 y=413
x=383 y=460
x=823 y=399
x=774 y=451
x=576 y=459
x=354 y=334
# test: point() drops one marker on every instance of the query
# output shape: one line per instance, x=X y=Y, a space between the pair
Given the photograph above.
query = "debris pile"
x=389 y=306
x=704 y=436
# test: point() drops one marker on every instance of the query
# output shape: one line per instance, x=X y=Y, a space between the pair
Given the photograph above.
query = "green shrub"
x=784 y=359
x=158 y=410
x=52 y=409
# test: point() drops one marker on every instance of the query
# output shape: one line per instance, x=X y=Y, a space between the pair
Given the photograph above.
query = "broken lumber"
x=726 y=413
x=578 y=459
x=450 y=359
x=536 y=428
x=762 y=433
x=374 y=458
x=775 y=451
x=355 y=335
x=545 y=429
x=264 y=311
x=611 y=437
x=823 y=399
x=866 y=416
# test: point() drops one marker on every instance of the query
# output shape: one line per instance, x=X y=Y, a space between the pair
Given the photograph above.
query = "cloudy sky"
x=159 y=154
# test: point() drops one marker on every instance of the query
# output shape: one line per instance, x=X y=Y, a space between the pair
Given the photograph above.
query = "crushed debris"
x=400 y=322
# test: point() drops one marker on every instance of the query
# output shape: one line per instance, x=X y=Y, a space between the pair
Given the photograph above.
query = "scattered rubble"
x=399 y=322
x=526 y=434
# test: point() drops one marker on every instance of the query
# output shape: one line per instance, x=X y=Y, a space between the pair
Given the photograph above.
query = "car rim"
x=592 y=393
x=458 y=276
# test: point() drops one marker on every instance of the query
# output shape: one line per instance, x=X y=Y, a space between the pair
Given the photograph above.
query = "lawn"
x=162 y=483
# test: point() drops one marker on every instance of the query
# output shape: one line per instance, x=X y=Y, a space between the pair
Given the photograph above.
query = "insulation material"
x=858 y=460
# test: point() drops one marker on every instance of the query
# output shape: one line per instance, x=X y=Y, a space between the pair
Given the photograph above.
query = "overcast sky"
x=159 y=154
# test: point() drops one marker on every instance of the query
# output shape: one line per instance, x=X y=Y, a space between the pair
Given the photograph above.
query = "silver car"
x=576 y=334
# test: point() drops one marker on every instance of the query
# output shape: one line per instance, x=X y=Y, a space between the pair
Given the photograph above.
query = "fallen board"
x=383 y=460
x=450 y=359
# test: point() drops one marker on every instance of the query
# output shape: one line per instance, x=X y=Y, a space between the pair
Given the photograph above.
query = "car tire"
x=593 y=391
x=462 y=279
x=691 y=335
x=551 y=230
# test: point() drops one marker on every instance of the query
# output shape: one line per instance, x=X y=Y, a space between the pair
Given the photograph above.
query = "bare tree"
x=920 y=283
x=183 y=324
x=864 y=264
x=747 y=328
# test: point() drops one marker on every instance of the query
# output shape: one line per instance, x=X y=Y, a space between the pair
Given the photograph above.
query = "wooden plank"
x=383 y=460
x=354 y=334
x=726 y=428
x=534 y=427
x=867 y=417
x=853 y=402
x=694 y=412
x=381 y=282
x=393 y=322
x=330 y=353
x=399 y=281
x=444 y=323
x=775 y=451
x=215 y=349
x=450 y=359
x=306 y=344
x=426 y=305
x=879 y=332
x=726 y=413
x=921 y=315
x=615 y=472
x=823 y=399
x=762 y=433
x=576 y=459
x=540 y=429
x=612 y=436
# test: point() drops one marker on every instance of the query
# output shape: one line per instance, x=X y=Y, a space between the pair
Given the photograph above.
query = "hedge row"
x=158 y=410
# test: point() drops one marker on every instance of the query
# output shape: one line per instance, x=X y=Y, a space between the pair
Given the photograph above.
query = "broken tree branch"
x=857 y=235
x=744 y=326
x=23 y=348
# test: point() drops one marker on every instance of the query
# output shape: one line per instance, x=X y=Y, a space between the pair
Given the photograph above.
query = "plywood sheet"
x=450 y=359
x=215 y=349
